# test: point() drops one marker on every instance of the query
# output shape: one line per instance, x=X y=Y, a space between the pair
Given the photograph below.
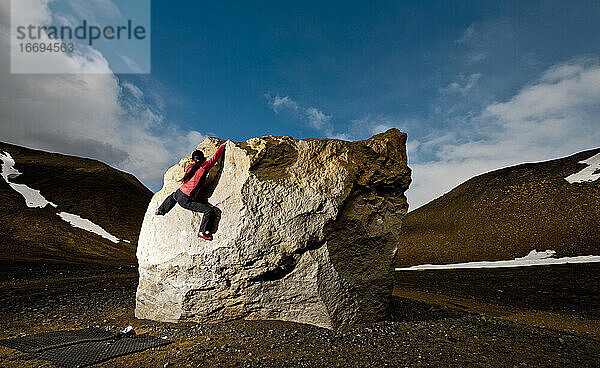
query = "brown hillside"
x=110 y=198
x=505 y=214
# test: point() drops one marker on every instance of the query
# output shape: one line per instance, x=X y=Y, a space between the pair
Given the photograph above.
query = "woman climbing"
x=188 y=193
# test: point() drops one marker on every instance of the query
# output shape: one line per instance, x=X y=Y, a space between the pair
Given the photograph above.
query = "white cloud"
x=412 y=145
x=489 y=41
x=467 y=83
x=561 y=71
x=281 y=103
x=477 y=57
x=135 y=91
x=554 y=116
x=193 y=139
x=95 y=11
x=89 y=115
x=467 y=35
x=318 y=119
x=315 y=118
x=357 y=129
x=132 y=66
x=370 y=125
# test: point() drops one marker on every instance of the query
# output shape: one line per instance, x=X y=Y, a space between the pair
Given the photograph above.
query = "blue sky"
x=216 y=61
x=471 y=82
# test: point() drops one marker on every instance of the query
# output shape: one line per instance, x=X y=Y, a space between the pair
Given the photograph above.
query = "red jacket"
x=189 y=185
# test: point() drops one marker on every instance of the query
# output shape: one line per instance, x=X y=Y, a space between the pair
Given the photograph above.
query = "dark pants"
x=189 y=204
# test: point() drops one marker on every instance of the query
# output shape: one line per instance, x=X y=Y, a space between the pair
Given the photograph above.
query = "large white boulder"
x=308 y=232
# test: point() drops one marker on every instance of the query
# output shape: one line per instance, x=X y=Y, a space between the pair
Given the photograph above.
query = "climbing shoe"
x=205 y=235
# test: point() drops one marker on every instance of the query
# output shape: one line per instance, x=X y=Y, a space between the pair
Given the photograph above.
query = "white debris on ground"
x=33 y=198
x=534 y=258
x=590 y=173
x=87 y=225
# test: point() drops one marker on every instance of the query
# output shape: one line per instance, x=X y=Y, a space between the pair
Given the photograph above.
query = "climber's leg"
x=207 y=220
x=206 y=210
x=167 y=205
x=197 y=206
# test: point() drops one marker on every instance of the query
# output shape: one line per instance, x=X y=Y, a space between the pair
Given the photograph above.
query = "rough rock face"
x=307 y=231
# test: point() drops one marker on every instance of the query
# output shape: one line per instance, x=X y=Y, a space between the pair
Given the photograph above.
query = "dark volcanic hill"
x=505 y=214
x=112 y=199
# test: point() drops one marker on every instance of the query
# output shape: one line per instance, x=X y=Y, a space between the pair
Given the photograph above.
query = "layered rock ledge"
x=307 y=232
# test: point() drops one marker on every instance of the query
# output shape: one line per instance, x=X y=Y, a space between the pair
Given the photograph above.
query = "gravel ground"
x=570 y=289
x=38 y=298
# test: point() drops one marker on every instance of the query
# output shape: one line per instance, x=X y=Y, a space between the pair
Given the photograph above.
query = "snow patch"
x=87 y=225
x=33 y=198
x=534 y=258
x=590 y=173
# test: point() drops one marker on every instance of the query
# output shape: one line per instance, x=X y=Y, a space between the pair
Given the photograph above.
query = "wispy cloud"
x=553 y=116
x=356 y=129
x=369 y=125
x=131 y=64
x=314 y=117
x=467 y=36
x=281 y=103
x=465 y=84
x=135 y=91
x=318 y=119
x=489 y=41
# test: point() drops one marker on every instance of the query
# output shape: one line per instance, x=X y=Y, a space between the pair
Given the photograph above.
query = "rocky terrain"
x=90 y=189
x=416 y=334
x=307 y=232
x=542 y=316
x=505 y=214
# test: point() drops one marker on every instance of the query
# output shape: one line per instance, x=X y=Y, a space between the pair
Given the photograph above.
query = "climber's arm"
x=213 y=160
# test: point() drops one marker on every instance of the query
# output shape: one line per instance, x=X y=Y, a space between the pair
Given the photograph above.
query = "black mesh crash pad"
x=53 y=339
x=90 y=349
x=92 y=352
